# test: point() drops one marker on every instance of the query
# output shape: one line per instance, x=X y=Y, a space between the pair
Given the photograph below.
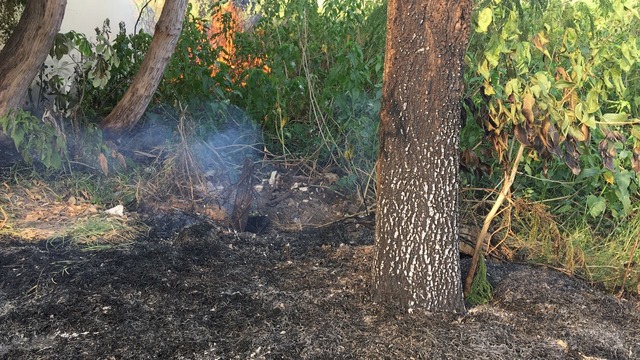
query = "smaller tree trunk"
x=27 y=49
x=135 y=101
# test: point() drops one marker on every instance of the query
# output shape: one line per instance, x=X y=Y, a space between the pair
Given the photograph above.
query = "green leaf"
x=577 y=134
x=543 y=81
x=485 y=17
x=589 y=173
x=590 y=121
x=614 y=118
x=512 y=87
x=84 y=46
x=17 y=135
x=579 y=112
x=484 y=70
x=592 y=101
x=562 y=84
x=623 y=179
x=596 y=205
x=584 y=117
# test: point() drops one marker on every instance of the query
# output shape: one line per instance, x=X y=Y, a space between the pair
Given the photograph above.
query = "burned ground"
x=201 y=291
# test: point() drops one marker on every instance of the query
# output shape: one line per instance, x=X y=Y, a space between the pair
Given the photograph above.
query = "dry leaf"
x=121 y=160
x=104 y=164
x=563 y=74
x=635 y=159
x=527 y=107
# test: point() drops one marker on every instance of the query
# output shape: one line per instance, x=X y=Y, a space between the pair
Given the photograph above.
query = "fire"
x=225 y=24
x=227 y=21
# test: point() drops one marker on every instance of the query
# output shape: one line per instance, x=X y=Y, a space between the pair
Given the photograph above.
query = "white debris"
x=273 y=177
x=117 y=210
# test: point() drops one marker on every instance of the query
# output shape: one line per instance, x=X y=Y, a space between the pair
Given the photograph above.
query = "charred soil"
x=196 y=290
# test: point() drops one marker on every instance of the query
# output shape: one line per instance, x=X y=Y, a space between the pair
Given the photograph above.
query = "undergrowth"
x=608 y=257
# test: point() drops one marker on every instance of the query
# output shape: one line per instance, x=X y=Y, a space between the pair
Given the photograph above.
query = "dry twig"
x=506 y=186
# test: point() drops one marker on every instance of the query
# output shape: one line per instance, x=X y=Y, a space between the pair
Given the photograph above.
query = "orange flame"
x=224 y=38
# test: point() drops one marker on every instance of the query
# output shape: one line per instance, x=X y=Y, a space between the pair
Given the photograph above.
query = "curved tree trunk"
x=135 y=101
x=27 y=49
x=417 y=263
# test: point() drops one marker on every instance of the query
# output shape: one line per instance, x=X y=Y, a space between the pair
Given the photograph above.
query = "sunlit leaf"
x=577 y=73
x=483 y=70
x=592 y=101
x=577 y=134
x=539 y=41
x=543 y=82
x=485 y=17
x=608 y=177
x=563 y=84
x=488 y=89
x=612 y=118
x=512 y=87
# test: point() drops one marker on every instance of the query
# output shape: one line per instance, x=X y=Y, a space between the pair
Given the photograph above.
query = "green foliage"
x=36 y=139
x=107 y=69
x=320 y=98
x=89 y=78
x=558 y=77
x=82 y=75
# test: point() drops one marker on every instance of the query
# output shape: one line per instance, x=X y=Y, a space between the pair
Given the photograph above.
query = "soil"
x=295 y=288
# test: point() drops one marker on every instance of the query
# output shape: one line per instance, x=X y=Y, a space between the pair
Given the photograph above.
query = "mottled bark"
x=417 y=264
x=27 y=49
x=135 y=101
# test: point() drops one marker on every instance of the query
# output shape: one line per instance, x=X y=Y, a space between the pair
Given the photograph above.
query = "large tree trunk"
x=27 y=49
x=417 y=264
x=135 y=101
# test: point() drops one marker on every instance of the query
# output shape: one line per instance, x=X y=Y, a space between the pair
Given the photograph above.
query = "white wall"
x=84 y=16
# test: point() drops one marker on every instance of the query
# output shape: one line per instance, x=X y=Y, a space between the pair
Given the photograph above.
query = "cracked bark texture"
x=26 y=50
x=417 y=264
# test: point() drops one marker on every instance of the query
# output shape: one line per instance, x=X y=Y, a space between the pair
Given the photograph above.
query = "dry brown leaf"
x=104 y=164
x=521 y=135
x=32 y=217
x=635 y=161
x=539 y=41
x=563 y=74
x=527 y=107
x=121 y=160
